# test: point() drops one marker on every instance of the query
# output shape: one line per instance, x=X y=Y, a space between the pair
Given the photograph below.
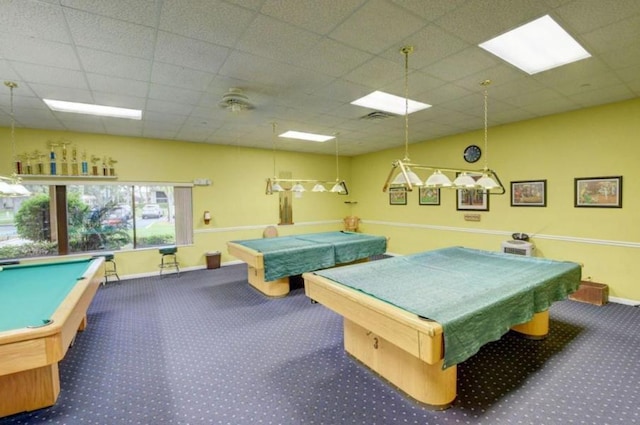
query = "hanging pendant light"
x=298 y=188
x=437 y=179
x=406 y=177
x=273 y=183
x=465 y=181
x=486 y=182
x=318 y=187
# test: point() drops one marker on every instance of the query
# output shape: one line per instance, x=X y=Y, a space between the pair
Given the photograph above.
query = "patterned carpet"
x=205 y=348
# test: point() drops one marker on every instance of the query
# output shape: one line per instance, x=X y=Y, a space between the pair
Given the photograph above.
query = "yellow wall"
x=236 y=198
x=600 y=141
x=594 y=142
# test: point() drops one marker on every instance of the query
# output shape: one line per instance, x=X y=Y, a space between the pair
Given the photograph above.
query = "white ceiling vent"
x=377 y=115
x=235 y=100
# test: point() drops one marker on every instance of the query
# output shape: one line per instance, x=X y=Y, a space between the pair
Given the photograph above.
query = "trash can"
x=213 y=260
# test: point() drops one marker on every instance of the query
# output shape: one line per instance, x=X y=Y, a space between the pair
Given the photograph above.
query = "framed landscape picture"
x=529 y=193
x=599 y=192
x=472 y=199
x=429 y=196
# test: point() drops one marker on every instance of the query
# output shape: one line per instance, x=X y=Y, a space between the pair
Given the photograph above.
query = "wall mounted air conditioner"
x=518 y=247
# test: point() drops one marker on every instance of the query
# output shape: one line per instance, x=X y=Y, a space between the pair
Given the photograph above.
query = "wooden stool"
x=169 y=259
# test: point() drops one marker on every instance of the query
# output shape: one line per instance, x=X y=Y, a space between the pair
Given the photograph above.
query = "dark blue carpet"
x=205 y=348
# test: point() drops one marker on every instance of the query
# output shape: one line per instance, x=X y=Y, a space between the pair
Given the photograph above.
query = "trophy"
x=85 y=165
x=94 y=165
x=64 y=162
x=40 y=157
x=74 y=161
x=52 y=159
x=112 y=170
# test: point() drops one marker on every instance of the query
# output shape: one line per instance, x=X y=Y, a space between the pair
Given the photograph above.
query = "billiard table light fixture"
x=11 y=187
x=485 y=179
x=276 y=184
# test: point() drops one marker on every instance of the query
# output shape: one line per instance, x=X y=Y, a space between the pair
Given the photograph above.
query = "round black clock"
x=472 y=153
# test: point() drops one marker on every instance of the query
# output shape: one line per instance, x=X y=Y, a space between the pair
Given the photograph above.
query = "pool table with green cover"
x=42 y=306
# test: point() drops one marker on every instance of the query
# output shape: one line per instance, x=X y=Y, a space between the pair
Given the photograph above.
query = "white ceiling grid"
x=301 y=63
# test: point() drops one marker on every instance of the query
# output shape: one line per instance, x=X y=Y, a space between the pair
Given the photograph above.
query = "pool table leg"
x=427 y=383
x=536 y=328
x=273 y=288
x=29 y=390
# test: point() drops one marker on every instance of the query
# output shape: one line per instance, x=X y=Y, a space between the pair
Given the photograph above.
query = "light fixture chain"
x=12 y=85
x=406 y=50
x=337 y=162
x=485 y=84
x=273 y=143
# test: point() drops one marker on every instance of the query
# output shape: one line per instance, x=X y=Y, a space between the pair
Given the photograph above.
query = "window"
x=79 y=218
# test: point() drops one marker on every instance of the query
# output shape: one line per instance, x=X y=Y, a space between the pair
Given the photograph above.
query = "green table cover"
x=293 y=255
x=475 y=295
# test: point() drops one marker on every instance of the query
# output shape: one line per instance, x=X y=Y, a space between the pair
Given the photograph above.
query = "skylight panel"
x=537 y=46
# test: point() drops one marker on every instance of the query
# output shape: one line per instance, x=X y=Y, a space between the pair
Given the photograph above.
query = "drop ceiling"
x=300 y=63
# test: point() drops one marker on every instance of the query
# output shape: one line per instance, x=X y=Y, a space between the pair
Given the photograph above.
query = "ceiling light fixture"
x=300 y=135
x=12 y=186
x=407 y=178
x=339 y=186
x=390 y=103
x=92 y=109
x=537 y=46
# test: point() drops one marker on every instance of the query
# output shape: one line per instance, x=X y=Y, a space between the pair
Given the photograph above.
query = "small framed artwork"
x=472 y=199
x=529 y=193
x=600 y=192
x=397 y=196
x=429 y=196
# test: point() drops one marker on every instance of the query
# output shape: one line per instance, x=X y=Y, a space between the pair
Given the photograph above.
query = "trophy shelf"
x=56 y=177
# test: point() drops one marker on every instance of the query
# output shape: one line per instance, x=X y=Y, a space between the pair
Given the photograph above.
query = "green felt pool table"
x=42 y=306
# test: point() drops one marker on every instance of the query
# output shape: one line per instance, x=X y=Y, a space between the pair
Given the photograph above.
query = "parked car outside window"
x=151 y=211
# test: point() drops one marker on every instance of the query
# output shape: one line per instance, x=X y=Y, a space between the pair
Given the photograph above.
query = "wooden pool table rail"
x=255 y=271
x=29 y=377
x=398 y=345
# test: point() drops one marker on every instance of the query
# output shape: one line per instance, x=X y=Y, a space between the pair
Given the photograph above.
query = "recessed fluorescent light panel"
x=91 y=109
x=537 y=46
x=306 y=136
x=386 y=102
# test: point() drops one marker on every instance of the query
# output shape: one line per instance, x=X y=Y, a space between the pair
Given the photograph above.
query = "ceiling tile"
x=198 y=20
x=42 y=52
x=115 y=65
x=377 y=26
x=190 y=53
x=139 y=12
x=110 y=35
x=46 y=22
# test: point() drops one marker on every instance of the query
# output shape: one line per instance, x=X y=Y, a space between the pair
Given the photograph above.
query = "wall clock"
x=472 y=153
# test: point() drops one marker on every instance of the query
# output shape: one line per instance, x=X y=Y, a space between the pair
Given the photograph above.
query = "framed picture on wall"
x=397 y=196
x=472 y=199
x=429 y=196
x=600 y=192
x=529 y=193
